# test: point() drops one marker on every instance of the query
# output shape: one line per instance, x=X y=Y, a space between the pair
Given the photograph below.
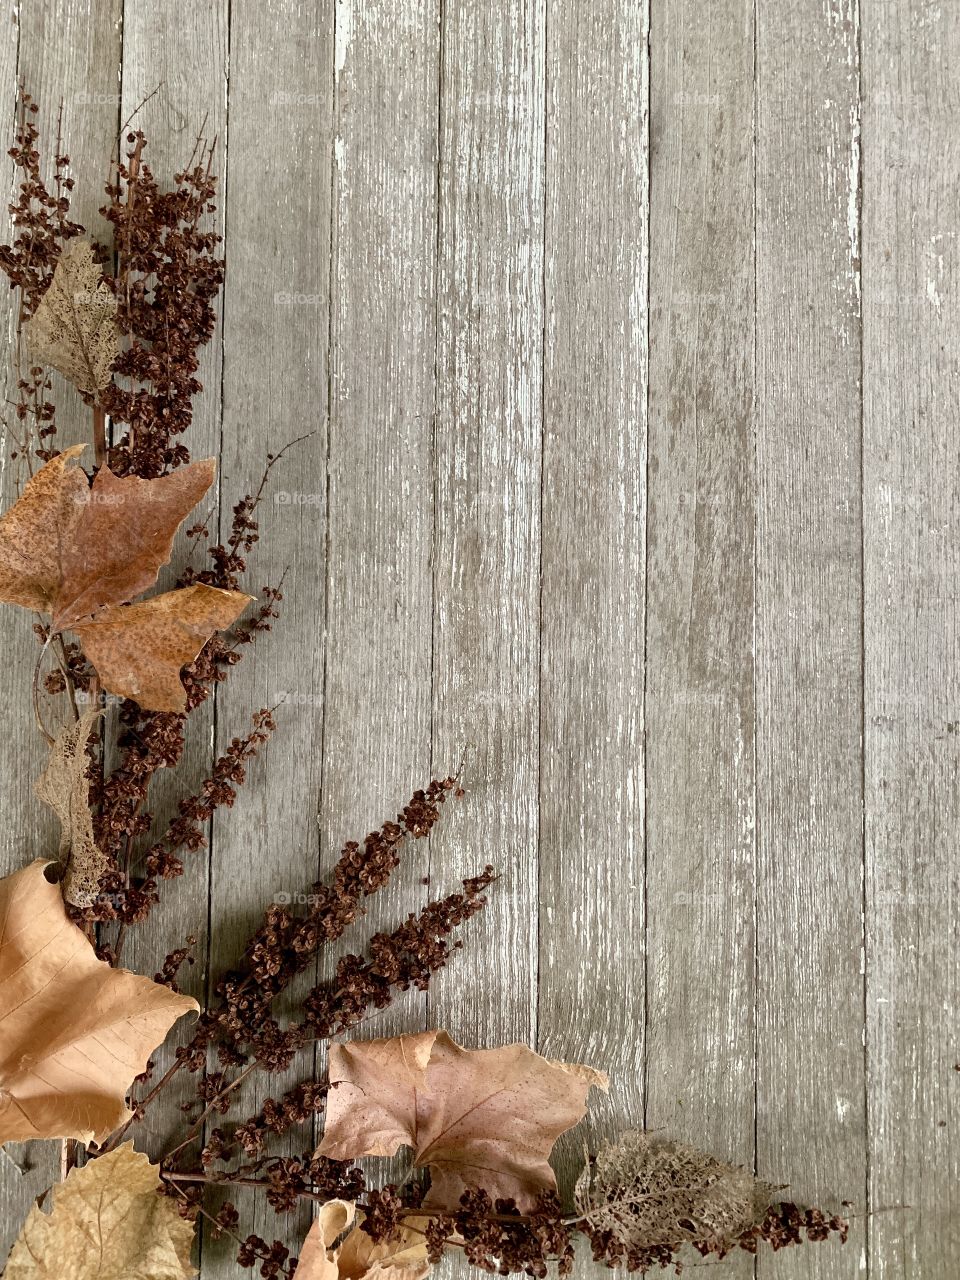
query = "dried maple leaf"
x=402 y=1257
x=476 y=1117
x=64 y=786
x=75 y=326
x=138 y=649
x=107 y=1223
x=74 y=1032
x=78 y=551
x=646 y=1190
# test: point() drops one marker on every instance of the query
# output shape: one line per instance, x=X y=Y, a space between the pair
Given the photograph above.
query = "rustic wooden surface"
x=625 y=338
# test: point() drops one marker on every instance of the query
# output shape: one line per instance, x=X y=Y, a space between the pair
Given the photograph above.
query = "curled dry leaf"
x=402 y=1257
x=77 y=551
x=74 y=1032
x=646 y=1190
x=475 y=1117
x=64 y=786
x=107 y=1223
x=74 y=328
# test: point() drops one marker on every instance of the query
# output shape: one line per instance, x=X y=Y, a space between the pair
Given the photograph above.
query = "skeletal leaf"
x=648 y=1190
x=74 y=328
x=74 y=1032
x=476 y=1117
x=138 y=649
x=107 y=1223
x=402 y=1257
x=64 y=786
x=78 y=551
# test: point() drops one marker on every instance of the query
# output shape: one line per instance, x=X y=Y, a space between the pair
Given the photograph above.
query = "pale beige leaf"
x=107 y=1223
x=402 y=1257
x=74 y=328
x=73 y=1031
x=139 y=649
x=64 y=786
x=647 y=1190
x=318 y=1261
x=476 y=1117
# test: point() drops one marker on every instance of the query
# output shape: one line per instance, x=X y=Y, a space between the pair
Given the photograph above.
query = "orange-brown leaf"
x=74 y=1032
x=138 y=649
x=68 y=548
x=476 y=1117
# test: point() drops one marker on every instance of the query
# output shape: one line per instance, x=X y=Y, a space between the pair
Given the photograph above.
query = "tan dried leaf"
x=138 y=649
x=402 y=1257
x=107 y=1223
x=74 y=1032
x=78 y=551
x=64 y=786
x=74 y=328
x=476 y=1117
x=648 y=1190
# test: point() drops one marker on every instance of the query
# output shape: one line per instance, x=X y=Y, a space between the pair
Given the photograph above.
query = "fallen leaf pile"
x=79 y=552
x=402 y=1257
x=75 y=326
x=64 y=786
x=646 y=1190
x=107 y=1223
x=474 y=1117
x=74 y=1032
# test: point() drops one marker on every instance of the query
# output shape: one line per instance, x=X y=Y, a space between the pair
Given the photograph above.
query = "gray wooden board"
x=616 y=488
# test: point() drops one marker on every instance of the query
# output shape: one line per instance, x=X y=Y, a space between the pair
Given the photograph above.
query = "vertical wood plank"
x=810 y=1073
x=591 y=987
x=487 y=542
x=383 y=340
x=69 y=53
x=174 y=64
x=275 y=384
x=700 y=678
x=912 y=634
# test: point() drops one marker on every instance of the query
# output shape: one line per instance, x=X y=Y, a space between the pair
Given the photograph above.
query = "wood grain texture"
x=383 y=342
x=72 y=54
x=591 y=983
x=611 y=491
x=275 y=389
x=912 y=635
x=486 y=625
x=810 y=1072
x=700 y=579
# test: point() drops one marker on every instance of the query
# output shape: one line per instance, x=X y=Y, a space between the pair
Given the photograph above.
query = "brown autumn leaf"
x=74 y=1032
x=107 y=1223
x=64 y=786
x=646 y=1190
x=74 y=328
x=77 y=551
x=402 y=1257
x=138 y=649
x=475 y=1117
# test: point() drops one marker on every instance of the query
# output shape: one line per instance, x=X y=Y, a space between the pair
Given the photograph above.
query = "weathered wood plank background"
x=626 y=332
